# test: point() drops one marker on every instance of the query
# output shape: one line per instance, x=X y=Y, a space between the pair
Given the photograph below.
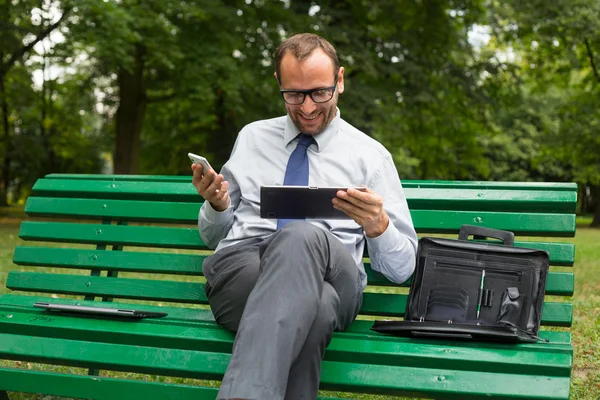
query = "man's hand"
x=366 y=208
x=211 y=186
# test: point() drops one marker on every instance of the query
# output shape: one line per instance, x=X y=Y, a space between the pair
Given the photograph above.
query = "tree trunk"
x=47 y=105
x=595 y=192
x=130 y=115
x=7 y=143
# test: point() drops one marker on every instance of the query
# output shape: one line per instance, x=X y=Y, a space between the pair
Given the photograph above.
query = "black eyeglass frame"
x=310 y=93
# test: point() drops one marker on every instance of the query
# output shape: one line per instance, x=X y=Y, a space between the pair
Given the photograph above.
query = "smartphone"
x=196 y=159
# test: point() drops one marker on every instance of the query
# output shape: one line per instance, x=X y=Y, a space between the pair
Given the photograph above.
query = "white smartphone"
x=196 y=159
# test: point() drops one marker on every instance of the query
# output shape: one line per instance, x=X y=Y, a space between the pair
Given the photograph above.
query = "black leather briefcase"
x=464 y=289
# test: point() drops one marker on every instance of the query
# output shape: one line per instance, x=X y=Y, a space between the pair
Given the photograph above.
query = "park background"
x=457 y=89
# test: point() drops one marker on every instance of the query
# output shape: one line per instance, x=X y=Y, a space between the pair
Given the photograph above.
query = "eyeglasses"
x=320 y=95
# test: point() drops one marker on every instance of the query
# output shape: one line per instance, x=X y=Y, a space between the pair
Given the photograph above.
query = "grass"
x=586 y=335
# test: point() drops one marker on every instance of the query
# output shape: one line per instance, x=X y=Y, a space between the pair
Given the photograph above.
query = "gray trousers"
x=284 y=296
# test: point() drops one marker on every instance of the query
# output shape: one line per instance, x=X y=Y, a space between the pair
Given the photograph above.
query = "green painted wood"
x=154 y=236
x=98 y=388
x=118 y=177
x=561 y=254
x=102 y=388
x=179 y=314
x=526 y=224
x=551 y=186
x=177 y=333
x=448 y=197
x=344 y=347
x=151 y=262
x=378 y=304
x=124 y=190
x=445 y=221
x=141 y=289
x=422 y=198
x=436 y=206
x=131 y=210
x=560 y=284
x=335 y=375
x=465 y=199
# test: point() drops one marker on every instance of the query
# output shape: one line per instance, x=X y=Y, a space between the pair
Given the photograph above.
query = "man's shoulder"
x=273 y=125
x=359 y=138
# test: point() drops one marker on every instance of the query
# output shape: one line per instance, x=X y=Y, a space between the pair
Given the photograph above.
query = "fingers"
x=362 y=199
x=211 y=186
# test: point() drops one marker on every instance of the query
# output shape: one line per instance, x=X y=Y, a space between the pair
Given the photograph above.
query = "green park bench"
x=134 y=240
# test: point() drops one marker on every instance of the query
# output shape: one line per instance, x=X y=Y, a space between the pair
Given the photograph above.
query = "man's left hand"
x=366 y=208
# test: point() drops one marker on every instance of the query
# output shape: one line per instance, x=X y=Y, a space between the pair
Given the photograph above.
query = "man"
x=285 y=287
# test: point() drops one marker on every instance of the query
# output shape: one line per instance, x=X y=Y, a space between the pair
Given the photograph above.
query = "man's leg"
x=280 y=312
x=303 y=381
x=231 y=274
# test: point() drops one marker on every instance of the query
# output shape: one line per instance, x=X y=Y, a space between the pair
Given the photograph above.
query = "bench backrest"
x=148 y=224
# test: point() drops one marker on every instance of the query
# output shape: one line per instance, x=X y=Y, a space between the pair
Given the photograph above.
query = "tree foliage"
x=147 y=82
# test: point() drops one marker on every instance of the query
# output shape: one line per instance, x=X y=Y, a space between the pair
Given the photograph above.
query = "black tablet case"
x=445 y=290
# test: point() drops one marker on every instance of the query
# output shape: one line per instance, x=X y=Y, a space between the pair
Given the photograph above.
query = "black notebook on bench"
x=469 y=290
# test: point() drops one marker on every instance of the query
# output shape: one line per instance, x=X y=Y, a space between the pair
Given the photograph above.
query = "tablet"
x=114 y=312
x=300 y=202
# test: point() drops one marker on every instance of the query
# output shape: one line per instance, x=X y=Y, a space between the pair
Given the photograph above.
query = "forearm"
x=214 y=225
x=393 y=253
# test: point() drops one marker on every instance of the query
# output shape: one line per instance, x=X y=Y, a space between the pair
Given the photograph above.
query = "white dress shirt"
x=342 y=156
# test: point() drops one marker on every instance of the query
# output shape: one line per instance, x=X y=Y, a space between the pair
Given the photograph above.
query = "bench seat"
x=146 y=253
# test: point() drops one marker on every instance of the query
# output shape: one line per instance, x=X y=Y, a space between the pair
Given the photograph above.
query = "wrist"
x=220 y=207
x=378 y=227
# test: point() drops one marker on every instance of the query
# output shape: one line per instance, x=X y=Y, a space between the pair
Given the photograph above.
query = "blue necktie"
x=296 y=172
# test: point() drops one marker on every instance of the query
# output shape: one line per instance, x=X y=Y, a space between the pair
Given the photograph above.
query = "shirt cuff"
x=213 y=216
x=385 y=242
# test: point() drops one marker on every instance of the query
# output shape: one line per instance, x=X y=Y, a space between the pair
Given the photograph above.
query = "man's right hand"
x=211 y=186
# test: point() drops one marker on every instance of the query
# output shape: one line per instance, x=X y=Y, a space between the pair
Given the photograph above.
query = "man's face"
x=315 y=71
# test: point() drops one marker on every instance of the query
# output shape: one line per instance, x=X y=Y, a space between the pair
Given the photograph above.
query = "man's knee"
x=304 y=237
x=326 y=320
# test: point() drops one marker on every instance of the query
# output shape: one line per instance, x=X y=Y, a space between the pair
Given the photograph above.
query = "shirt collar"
x=322 y=139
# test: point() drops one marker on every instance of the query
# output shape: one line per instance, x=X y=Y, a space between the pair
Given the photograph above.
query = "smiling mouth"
x=310 y=118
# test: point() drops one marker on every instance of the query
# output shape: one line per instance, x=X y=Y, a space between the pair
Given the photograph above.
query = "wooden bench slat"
x=463 y=199
x=525 y=224
x=123 y=190
x=151 y=262
x=467 y=199
x=130 y=210
x=378 y=304
x=91 y=387
x=560 y=284
x=335 y=375
x=166 y=237
x=126 y=288
x=154 y=236
x=344 y=347
x=551 y=186
x=150 y=331
x=448 y=220
x=384 y=304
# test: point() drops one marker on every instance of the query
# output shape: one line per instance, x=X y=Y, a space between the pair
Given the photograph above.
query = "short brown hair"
x=301 y=46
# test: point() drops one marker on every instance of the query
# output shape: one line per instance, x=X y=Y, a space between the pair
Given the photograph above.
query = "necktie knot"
x=305 y=140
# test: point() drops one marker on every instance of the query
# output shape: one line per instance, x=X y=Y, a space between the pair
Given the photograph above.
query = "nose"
x=308 y=106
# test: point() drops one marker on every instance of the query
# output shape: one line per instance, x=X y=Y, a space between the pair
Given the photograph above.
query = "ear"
x=340 y=84
x=276 y=78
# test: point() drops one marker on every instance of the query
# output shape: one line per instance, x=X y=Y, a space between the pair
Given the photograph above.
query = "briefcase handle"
x=507 y=237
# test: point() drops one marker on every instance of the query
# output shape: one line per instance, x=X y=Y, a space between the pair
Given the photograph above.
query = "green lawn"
x=586 y=335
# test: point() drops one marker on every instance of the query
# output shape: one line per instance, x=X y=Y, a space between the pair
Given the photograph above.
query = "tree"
x=19 y=33
x=557 y=44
